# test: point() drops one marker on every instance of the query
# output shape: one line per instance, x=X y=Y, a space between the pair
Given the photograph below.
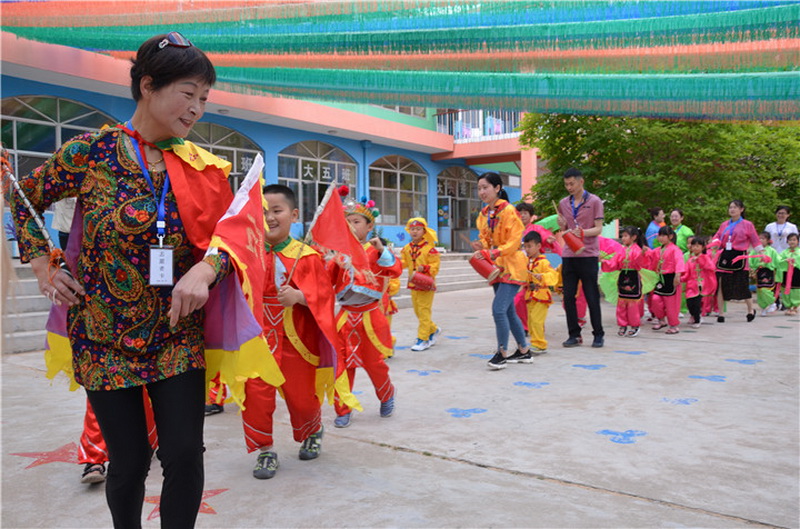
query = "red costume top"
x=700 y=276
x=309 y=330
x=553 y=247
x=666 y=260
x=358 y=293
x=631 y=258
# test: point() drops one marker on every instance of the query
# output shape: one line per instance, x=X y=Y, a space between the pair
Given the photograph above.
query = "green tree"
x=634 y=164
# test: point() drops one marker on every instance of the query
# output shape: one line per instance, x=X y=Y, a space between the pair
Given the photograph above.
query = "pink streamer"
x=765 y=258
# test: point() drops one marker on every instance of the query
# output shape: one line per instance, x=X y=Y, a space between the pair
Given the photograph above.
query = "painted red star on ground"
x=66 y=454
x=204 y=507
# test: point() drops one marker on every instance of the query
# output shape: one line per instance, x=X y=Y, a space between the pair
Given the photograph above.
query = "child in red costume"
x=361 y=321
x=700 y=279
x=301 y=332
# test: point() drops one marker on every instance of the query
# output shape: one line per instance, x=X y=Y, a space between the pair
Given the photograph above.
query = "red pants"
x=521 y=307
x=299 y=391
x=92 y=447
x=367 y=337
x=709 y=304
x=629 y=312
x=580 y=303
x=217 y=392
x=667 y=307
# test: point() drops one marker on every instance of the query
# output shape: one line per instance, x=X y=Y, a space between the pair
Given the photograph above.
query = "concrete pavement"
x=694 y=430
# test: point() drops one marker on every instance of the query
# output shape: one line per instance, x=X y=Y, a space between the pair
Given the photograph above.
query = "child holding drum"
x=422 y=260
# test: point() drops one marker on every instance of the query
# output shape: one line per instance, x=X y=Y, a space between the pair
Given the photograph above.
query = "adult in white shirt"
x=780 y=229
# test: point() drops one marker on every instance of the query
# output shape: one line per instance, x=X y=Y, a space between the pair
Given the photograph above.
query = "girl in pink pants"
x=668 y=263
x=628 y=282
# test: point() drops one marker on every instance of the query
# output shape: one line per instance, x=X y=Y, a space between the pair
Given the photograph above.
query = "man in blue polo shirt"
x=582 y=214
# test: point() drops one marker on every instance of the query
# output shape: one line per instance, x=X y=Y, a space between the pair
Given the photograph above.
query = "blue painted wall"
x=271 y=139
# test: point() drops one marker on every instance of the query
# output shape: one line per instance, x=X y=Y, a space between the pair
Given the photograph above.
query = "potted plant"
x=11 y=237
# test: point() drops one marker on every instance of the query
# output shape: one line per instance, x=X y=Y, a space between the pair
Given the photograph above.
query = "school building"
x=410 y=161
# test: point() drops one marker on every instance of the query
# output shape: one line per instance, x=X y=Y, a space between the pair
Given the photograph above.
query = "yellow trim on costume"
x=58 y=358
x=385 y=351
x=253 y=360
x=291 y=334
x=291 y=250
x=342 y=321
x=199 y=158
x=247 y=286
x=342 y=386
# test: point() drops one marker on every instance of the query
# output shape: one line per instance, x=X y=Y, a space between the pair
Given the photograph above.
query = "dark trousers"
x=178 y=407
x=583 y=269
x=694 y=305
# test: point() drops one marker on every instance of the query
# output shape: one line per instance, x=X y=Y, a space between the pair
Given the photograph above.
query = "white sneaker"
x=772 y=308
x=421 y=345
x=764 y=312
x=681 y=315
x=434 y=335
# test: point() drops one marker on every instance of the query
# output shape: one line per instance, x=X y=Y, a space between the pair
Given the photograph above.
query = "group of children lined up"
x=681 y=266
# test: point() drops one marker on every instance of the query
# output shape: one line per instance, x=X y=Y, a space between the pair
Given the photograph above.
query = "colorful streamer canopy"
x=702 y=59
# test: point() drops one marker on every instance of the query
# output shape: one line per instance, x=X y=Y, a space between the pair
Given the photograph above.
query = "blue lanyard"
x=730 y=228
x=161 y=223
x=574 y=209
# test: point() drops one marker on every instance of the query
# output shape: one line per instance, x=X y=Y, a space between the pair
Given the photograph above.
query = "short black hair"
x=784 y=208
x=654 y=212
x=532 y=236
x=572 y=172
x=668 y=231
x=168 y=64
x=280 y=189
x=793 y=234
x=524 y=206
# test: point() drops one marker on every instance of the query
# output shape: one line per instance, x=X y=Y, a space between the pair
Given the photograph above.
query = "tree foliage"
x=634 y=164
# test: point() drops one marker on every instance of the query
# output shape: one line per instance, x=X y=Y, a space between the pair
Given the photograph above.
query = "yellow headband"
x=430 y=234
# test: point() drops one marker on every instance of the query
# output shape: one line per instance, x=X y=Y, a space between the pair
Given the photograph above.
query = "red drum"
x=422 y=281
x=574 y=242
x=483 y=264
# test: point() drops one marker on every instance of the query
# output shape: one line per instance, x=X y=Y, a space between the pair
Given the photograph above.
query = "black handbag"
x=665 y=285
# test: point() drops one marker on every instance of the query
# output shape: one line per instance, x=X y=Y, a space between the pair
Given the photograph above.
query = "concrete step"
x=26 y=287
x=24 y=342
x=25 y=321
x=26 y=304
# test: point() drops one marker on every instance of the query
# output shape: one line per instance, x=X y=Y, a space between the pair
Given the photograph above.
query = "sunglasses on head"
x=174 y=38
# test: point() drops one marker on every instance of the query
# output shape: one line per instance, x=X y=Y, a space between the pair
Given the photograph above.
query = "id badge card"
x=161 y=266
x=728 y=245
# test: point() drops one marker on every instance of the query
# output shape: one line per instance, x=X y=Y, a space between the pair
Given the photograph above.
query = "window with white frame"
x=399 y=187
x=228 y=145
x=309 y=167
x=33 y=127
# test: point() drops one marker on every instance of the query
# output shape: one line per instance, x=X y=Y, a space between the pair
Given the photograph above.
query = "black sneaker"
x=519 y=358
x=498 y=361
x=312 y=446
x=573 y=341
x=597 y=342
x=93 y=473
x=266 y=465
x=213 y=409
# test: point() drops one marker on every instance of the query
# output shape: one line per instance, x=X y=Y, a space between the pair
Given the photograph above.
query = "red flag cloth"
x=332 y=231
x=240 y=232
